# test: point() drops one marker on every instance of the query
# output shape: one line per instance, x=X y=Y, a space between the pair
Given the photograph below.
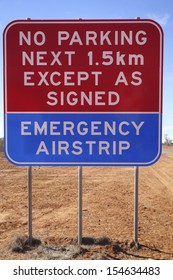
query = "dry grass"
x=20 y=244
x=92 y=248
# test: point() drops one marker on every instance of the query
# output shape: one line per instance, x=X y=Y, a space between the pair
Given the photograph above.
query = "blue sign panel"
x=83 y=139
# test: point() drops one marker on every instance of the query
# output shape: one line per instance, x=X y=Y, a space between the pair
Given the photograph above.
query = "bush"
x=1 y=144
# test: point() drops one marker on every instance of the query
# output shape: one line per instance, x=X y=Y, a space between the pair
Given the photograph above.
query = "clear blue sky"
x=158 y=10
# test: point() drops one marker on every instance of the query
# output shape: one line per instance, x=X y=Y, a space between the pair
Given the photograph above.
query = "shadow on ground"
x=91 y=249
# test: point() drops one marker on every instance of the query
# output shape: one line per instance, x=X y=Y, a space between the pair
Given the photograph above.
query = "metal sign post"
x=30 y=205
x=80 y=205
x=136 y=204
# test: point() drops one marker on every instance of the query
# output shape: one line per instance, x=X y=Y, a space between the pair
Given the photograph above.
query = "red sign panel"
x=83 y=66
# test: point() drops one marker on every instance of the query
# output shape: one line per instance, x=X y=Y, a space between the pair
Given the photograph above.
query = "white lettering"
x=104 y=37
x=25 y=127
x=112 y=94
x=117 y=37
x=40 y=129
x=63 y=146
x=135 y=76
x=104 y=146
x=27 y=79
x=77 y=146
x=91 y=36
x=121 y=79
x=68 y=126
x=62 y=36
x=90 y=143
x=137 y=127
x=52 y=96
x=75 y=39
x=95 y=128
x=53 y=128
x=84 y=130
x=123 y=145
x=42 y=148
x=120 y=128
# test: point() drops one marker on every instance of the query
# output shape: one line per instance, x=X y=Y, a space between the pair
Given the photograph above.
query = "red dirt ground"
x=107 y=212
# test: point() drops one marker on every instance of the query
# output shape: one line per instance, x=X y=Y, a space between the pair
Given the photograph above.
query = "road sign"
x=83 y=92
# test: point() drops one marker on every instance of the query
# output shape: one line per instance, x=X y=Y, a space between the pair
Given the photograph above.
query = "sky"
x=158 y=10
